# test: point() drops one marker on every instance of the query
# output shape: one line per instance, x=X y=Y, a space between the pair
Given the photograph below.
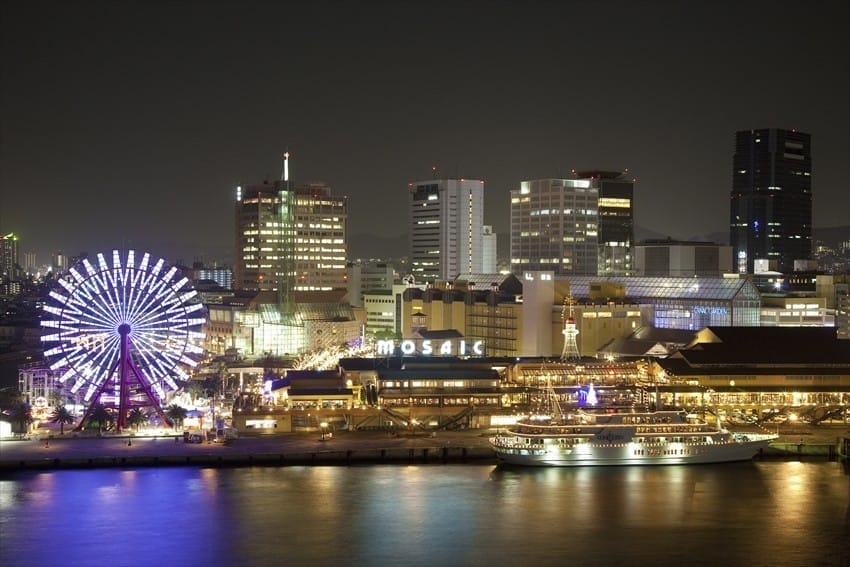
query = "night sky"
x=128 y=124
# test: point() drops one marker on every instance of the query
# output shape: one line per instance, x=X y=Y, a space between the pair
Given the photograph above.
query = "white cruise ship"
x=653 y=438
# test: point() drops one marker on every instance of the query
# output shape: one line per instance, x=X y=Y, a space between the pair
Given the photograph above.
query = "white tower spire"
x=570 y=332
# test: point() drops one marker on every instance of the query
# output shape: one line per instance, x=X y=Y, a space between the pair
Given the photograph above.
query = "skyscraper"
x=9 y=257
x=771 y=199
x=554 y=226
x=321 y=221
x=446 y=228
x=290 y=239
x=258 y=265
x=616 y=234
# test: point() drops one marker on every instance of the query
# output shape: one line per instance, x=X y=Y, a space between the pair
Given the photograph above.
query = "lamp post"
x=324 y=429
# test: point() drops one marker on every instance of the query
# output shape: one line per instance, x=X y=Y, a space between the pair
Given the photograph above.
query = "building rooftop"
x=724 y=289
x=810 y=347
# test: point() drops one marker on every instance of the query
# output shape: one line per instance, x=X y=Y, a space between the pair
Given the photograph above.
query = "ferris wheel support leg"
x=92 y=404
x=145 y=385
x=124 y=371
x=96 y=397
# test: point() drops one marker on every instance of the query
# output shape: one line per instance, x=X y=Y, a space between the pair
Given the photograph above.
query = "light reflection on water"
x=778 y=513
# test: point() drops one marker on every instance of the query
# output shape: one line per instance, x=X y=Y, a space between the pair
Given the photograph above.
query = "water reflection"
x=790 y=512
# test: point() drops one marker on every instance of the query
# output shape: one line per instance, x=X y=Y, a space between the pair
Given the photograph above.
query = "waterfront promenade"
x=366 y=447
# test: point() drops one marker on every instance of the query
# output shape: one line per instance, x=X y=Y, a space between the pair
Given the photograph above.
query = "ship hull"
x=629 y=454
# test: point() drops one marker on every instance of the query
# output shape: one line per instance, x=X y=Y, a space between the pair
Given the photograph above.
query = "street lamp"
x=324 y=428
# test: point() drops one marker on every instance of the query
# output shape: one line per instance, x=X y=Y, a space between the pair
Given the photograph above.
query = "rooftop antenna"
x=286 y=269
x=285 y=174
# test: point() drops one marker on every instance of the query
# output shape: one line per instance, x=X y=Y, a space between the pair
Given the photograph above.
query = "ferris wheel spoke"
x=148 y=306
x=150 y=343
x=142 y=283
x=109 y=287
x=134 y=296
x=91 y=297
x=151 y=316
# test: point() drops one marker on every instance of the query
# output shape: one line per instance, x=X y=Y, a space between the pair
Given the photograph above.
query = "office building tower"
x=258 y=265
x=446 y=228
x=320 y=229
x=771 y=199
x=489 y=264
x=59 y=263
x=9 y=257
x=554 y=225
x=616 y=226
x=29 y=263
x=290 y=239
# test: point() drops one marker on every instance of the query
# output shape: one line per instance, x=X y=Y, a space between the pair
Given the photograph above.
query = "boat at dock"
x=582 y=438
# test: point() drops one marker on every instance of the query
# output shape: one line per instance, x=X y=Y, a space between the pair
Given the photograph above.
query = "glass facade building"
x=680 y=303
x=771 y=200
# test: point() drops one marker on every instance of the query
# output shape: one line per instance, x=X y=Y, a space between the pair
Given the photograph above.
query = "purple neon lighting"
x=94 y=299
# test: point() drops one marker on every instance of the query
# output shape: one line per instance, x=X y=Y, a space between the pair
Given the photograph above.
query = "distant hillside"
x=832 y=236
x=371 y=246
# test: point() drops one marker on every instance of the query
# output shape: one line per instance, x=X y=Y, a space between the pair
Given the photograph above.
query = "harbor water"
x=774 y=512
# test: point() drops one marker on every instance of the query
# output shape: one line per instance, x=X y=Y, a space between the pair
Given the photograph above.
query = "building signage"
x=427 y=347
x=711 y=310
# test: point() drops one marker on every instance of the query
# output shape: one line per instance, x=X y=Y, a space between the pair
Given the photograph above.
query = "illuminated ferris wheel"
x=121 y=333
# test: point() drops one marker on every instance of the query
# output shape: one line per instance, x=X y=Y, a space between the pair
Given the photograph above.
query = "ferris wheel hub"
x=124 y=329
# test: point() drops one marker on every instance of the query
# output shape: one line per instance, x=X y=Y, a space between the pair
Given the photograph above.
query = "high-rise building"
x=59 y=263
x=299 y=232
x=9 y=257
x=29 y=263
x=616 y=221
x=321 y=221
x=489 y=242
x=446 y=228
x=554 y=226
x=771 y=199
x=258 y=265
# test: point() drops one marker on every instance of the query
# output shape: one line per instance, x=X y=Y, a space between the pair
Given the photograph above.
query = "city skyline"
x=130 y=125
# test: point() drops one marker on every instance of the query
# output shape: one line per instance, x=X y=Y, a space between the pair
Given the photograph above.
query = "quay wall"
x=307 y=449
x=394 y=455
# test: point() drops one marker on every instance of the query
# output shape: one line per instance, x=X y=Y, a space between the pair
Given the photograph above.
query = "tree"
x=195 y=389
x=10 y=397
x=136 y=418
x=176 y=414
x=21 y=414
x=102 y=417
x=63 y=417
